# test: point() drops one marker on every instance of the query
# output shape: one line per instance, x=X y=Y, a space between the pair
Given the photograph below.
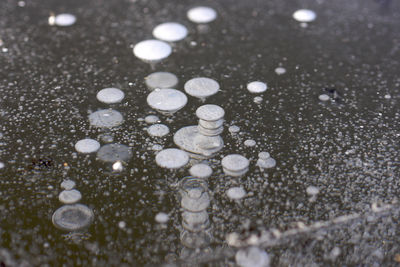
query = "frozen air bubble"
x=195 y=221
x=87 y=146
x=162 y=217
x=200 y=170
x=70 y=196
x=304 y=15
x=110 y=95
x=195 y=200
x=252 y=257
x=63 y=20
x=236 y=193
x=73 y=217
x=257 y=87
x=150 y=119
x=167 y=100
x=67 y=184
x=235 y=165
x=312 y=190
x=234 y=129
x=266 y=163
x=172 y=158
x=106 y=118
x=202 y=14
x=157 y=147
x=2 y=165
x=152 y=50
x=114 y=152
x=161 y=80
x=201 y=87
x=158 y=130
x=264 y=155
x=117 y=166
x=210 y=112
x=250 y=143
x=280 y=70
x=324 y=97
x=170 y=32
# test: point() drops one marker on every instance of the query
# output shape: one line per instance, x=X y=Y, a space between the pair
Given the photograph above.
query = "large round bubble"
x=106 y=118
x=114 y=152
x=73 y=217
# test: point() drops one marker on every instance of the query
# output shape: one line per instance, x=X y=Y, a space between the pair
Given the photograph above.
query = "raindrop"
x=152 y=50
x=150 y=119
x=324 y=97
x=252 y=257
x=280 y=70
x=304 y=15
x=172 y=158
x=161 y=80
x=158 y=130
x=236 y=193
x=87 y=146
x=235 y=165
x=250 y=143
x=202 y=14
x=70 y=196
x=64 y=20
x=201 y=87
x=162 y=217
x=114 y=152
x=67 y=184
x=106 y=118
x=167 y=100
x=110 y=95
x=170 y=32
x=200 y=171
x=257 y=87
x=73 y=217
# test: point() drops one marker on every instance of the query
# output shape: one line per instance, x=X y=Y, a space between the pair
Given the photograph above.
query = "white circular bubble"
x=161 y=80
x=87 y=146
x=210 y=112
x=162 y=217
x=280 y=70
x=234 y=129
x=170 y=32
x=70 y=196
x=250 y=143
x=2 y=165
x=202 y=14
x=236 y=193
x=106 y=118
x=200 y=170
x=73 y=217
x=304 y=15
x=110 y=95
x=266 y=163
x=172 y=158
x=64 y=20
x=117 y=166
x=67 y=184
x=167 y=100
x=150 y=119
x=324 y=97
x=257 y=87
x=152 y=50
x=252 y=257
x=312 y=190
x=264 y=155
x=158 y=130
x=201 y=87
x=235 y=163
x=114 y=152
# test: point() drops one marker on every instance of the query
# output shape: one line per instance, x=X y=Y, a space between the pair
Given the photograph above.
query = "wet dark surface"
x=348 y=147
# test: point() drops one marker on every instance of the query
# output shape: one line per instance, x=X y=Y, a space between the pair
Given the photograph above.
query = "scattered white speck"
x=122 y=224
x=236 y=193
x=152 y=50
x=257 y=87
x=87 y=146
x=162 y=217
x=324 y=97
x=304 y=15
x=202 y=14
x=110 y=95
x=170 y=32
x=64 y=20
